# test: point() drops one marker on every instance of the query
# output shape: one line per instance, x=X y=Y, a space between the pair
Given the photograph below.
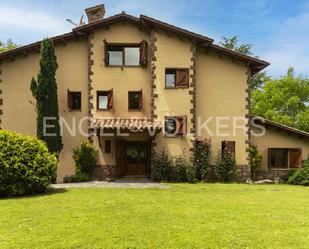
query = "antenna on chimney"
x=70 y=21
x=81 y=21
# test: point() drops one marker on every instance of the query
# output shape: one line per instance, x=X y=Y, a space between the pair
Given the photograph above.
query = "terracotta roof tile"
x=136 y=124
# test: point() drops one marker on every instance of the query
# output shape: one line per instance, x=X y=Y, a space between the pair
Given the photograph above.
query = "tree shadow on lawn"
x=50 y=191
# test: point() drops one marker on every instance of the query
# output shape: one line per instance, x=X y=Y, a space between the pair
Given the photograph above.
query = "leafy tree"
x=284 y=100
x=44 y=90
x=232 y=43
x=259 y=79
x=7 y=46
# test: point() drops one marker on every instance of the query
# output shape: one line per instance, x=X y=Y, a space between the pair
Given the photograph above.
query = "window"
x=228 y=146
x=135 y=100
x=283 y=158
x=131 y=56
x=175 y=126
x=177 y=78
x=126 y=54
x=105 y=100
x=107 y=146
x=74 y=101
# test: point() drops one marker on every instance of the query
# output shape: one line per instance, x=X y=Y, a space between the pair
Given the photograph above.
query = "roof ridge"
x=203 y=41
x=280 y=125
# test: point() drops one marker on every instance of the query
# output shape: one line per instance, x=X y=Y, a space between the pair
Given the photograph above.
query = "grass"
x=184 y=216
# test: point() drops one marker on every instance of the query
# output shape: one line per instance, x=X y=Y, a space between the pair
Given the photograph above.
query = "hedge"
x=26 y=166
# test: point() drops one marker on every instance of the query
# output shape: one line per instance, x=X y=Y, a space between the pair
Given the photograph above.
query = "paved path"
x=115 y=184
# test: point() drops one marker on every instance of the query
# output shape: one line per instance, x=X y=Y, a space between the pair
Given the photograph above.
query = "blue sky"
x=279 y=29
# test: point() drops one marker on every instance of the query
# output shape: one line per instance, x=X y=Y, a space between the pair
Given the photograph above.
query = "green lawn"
x=184 y=216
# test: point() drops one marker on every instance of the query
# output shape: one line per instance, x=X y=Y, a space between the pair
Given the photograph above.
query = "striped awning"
x=134 y=124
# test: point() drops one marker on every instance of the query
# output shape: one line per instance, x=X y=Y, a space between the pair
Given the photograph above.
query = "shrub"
x=225 y=167
x=161 y=166
x=201 y=158
x=300 y=177
x=85 y=157
x=255 y=160
x=26 y=166
x=164 y=168
x=81 y=177
x=191 y=172
x=178 y=171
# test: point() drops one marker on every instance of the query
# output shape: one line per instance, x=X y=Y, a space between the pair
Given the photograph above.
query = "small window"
x=228 y=146
x=175 y=126
x=107 y=146
x=135 y=100
x=104 y=100
x=115 y=56
x=283 y=158
x=170 y=78
x=126 y=54
x=279 y=158
x=74 y=101
x=131 y=56
x=177 y=78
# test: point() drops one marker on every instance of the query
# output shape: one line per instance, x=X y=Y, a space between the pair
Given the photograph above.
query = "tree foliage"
x=44 y=90
x=5 y=46
x=284 y=100
x=233 y=44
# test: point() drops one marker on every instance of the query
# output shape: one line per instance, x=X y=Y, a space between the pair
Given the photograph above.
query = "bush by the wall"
x=161 y=166
x=300 y=177
x=225 y=167
x=178 y=169
x=26 y=166
x=201 y=158
x=85 y=157
x=80 y=177
x=255 y=160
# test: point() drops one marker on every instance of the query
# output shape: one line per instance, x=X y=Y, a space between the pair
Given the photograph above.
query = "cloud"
x=31 y=19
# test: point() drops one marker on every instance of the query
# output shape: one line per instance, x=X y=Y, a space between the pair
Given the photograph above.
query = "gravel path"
x=115 y=184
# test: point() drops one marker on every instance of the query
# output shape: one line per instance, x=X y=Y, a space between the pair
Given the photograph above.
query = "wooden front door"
x=132 y=158
x=137 y=158
x=120 y=158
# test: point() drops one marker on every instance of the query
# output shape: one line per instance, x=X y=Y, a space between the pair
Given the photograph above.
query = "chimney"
x=95 y=13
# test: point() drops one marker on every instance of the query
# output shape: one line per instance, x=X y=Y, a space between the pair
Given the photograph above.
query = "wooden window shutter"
x=110 y=99
x=269 y=158
x=70 y=99
x=182 y=77
x=182 y=125
x=140 y=99
x=295 y=158
x=143 y=60
x=106 y=58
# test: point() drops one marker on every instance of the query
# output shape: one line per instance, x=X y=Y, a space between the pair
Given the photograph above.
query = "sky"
x=278 y=29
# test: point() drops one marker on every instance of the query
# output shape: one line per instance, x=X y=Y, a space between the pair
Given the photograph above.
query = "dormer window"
x=129 y=55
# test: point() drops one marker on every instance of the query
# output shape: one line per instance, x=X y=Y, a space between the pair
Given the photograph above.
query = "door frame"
x=121 y=157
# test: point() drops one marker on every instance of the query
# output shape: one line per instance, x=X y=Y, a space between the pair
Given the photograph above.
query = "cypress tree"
x=44 y=90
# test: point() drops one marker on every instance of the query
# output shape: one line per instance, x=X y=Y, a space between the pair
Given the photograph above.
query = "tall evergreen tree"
x=44 y=90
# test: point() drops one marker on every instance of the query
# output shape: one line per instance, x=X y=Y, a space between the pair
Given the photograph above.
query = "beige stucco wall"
x=121 y=80
x=19 y=114
x=221 y=93
x=277 y=139
x=172 y=52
